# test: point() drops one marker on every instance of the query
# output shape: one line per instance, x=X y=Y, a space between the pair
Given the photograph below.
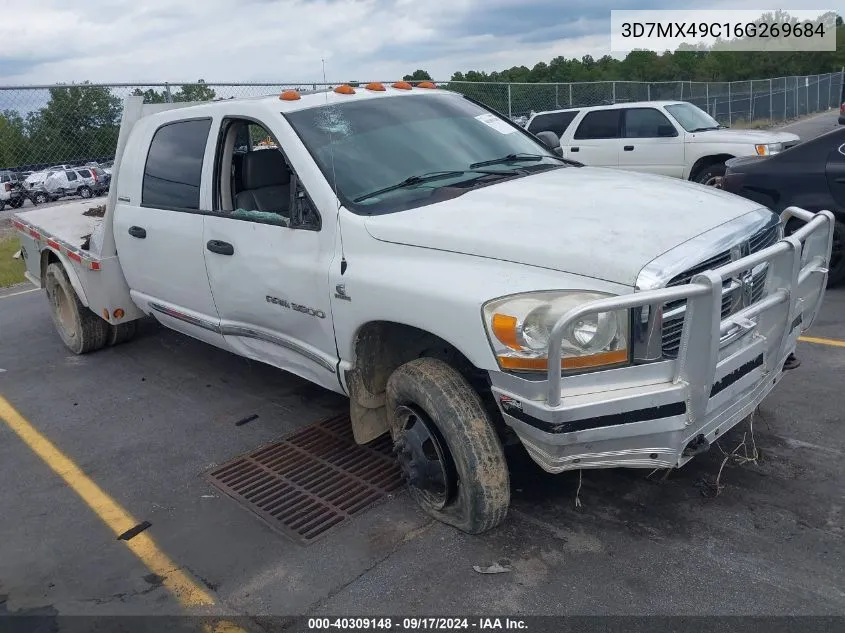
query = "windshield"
x=382 y=153
x=692 y=118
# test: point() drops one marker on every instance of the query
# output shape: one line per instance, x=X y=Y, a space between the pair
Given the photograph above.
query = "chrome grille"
x=673 y=321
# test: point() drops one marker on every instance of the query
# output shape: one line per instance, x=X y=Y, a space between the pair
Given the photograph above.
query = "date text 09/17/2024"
x=417 y=624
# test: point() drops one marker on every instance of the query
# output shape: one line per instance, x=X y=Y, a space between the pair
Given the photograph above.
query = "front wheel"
x=81 y=330
x=85 y=192
x=40 y=198
x=711 y=175
x=447 y=447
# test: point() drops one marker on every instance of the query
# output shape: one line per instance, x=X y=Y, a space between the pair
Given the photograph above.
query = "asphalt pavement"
x=147 y=419
x=814 y=126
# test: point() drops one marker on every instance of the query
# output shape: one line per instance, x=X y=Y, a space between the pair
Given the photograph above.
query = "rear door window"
x=599 y=124
x=84 y=173
x=556 y=122
x=71 y=176
x=174 y=165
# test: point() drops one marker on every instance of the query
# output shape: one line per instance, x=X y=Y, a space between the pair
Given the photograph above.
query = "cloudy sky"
x=284 y=40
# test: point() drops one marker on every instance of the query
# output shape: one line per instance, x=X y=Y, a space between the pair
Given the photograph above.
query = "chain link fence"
x=47 y=126
x=761 y=101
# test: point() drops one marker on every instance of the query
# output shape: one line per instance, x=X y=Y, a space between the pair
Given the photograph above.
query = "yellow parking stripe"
x=185 y=589
x=822 y=341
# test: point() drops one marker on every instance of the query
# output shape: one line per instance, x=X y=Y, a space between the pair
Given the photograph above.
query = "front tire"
x=711 y=174
x=85 y=192
x=447 y=446
x=40 y=198
x=81 y=330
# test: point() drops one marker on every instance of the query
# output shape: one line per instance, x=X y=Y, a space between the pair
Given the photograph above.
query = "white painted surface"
x=672 y=156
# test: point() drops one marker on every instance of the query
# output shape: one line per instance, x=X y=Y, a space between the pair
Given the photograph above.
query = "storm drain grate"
x=311 y=481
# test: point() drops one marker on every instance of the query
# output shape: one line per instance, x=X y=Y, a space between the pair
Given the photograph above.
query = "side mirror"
x=549 y=139
x=666 y=131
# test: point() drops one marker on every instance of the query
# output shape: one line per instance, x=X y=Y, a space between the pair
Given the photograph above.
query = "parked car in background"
x=107 y=166
x=11 y=190
x=811 y=175
x=53 y=184
x=102 y=180
x=672 y=138
x=842 y=105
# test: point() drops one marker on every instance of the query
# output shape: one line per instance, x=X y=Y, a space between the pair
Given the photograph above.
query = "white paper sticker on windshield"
x=496 y=123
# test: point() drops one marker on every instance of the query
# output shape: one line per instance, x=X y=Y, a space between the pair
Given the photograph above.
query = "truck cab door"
x=268 y=255
x=597 y=139
x=158 y=227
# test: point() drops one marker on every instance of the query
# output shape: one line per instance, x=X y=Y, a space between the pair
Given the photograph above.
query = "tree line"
x=79 y=122
x=688 y=64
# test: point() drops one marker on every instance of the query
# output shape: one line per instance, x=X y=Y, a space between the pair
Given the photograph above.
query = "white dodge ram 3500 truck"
x=458 y=281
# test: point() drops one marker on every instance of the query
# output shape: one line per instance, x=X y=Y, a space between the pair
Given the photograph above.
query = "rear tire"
x=710 y=175
x=478 y=488
x=81 y=330
x=85 y=192
x=122 y=333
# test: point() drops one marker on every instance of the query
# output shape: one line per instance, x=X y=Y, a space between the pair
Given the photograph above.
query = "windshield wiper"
x=522 y=158
x=510 y=158
x=706 y=129
x=430 y=177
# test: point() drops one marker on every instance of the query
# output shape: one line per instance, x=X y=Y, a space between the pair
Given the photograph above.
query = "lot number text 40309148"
x=417 y=624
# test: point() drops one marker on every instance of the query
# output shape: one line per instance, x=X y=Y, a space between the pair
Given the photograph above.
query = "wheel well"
x=706 y=161
x=47 y=257
x=382 y=346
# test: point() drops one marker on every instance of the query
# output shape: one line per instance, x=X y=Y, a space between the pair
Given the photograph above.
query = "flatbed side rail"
x=793 y=262
x=40 y=235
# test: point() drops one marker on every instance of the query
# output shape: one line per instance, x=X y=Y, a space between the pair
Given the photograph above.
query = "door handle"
x=221 y=248
x=137 y=231
x=628 y=148
x=575 y=149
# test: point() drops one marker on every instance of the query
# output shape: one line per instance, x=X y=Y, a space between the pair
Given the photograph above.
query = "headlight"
x=768 y=149
x=519 y=327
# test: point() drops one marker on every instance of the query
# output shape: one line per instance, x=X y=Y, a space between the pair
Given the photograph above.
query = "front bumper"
x=659 y=415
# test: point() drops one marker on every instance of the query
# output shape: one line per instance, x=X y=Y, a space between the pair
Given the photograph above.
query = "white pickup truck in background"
x=671 y=138
x=463 y=285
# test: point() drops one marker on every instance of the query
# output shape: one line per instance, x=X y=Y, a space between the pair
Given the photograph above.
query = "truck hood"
x=587 y=221
x=745 y=137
